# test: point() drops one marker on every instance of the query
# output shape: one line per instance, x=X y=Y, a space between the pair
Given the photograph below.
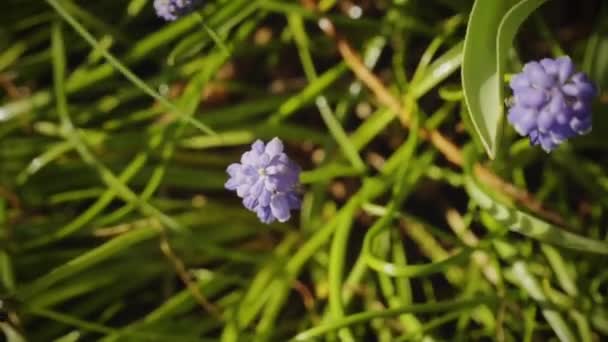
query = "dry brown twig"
x=167 y=250
x=450 y=151
x=186 y=278
x=308 y=299
x=14 y=201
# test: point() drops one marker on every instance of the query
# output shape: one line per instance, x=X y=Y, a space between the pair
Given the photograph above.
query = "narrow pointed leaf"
x=490 y=32
x=480 y=79
x=530 y=226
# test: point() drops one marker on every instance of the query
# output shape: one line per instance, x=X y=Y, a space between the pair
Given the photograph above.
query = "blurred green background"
x=116 y=129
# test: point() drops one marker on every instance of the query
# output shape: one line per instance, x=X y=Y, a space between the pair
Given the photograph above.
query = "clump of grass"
x=116 y=130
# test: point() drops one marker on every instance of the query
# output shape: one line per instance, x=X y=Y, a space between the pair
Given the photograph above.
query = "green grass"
x=116 y=129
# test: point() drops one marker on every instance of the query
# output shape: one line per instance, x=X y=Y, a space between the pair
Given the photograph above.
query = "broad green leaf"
x=480 y=79
x=490 y=32
x=506 y=33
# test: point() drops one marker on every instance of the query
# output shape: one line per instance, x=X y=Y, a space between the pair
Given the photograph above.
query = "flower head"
x=266 y=180
x=551 y=103
x=170 y=10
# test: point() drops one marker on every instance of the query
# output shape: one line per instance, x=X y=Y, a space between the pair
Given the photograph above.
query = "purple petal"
x=580 y=109
x=522 y=119
x=561 y=118
x=534 y=137
x=580 y=126
x=274 y=147
x=565 y=68
x=519 y=81
x=264 y=214
x=272 y=182
x=264 y=198
x=532 y=97
x=545 y=120
x=282 y=158
x=557 y=104
x=172 y=9
x=586 y=90
x=263 y=160
x=580 y=77
x=280 y=207
x=293 y=201
x=537 y=75
x=570 y=89
x=281 y=183
x=243 y=190
x=249 y=171
x=276 y=168
x=233 y=169
x=257 y=188
x=550 y=66
x=258 y=146
x=231 y=184
x=250 y=202
x=250 y=158
x=547 y=144
x=561 y=132
x=580 y=90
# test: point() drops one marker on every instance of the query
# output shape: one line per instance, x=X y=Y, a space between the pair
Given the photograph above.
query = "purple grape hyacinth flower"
x=551 y=103
x=170 y=10
x=266 y=180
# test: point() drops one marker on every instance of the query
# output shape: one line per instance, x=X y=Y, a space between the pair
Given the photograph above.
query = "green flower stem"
x=413 y=308
x=123 y=69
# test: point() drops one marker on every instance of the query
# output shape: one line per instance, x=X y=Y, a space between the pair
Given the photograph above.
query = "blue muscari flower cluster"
x=551 y=102
x=266 y=180
x=170 y=10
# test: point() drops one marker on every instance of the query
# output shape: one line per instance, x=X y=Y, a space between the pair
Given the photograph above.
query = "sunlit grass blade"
x=528 y=282
x=366 y=316
x=124 y=70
